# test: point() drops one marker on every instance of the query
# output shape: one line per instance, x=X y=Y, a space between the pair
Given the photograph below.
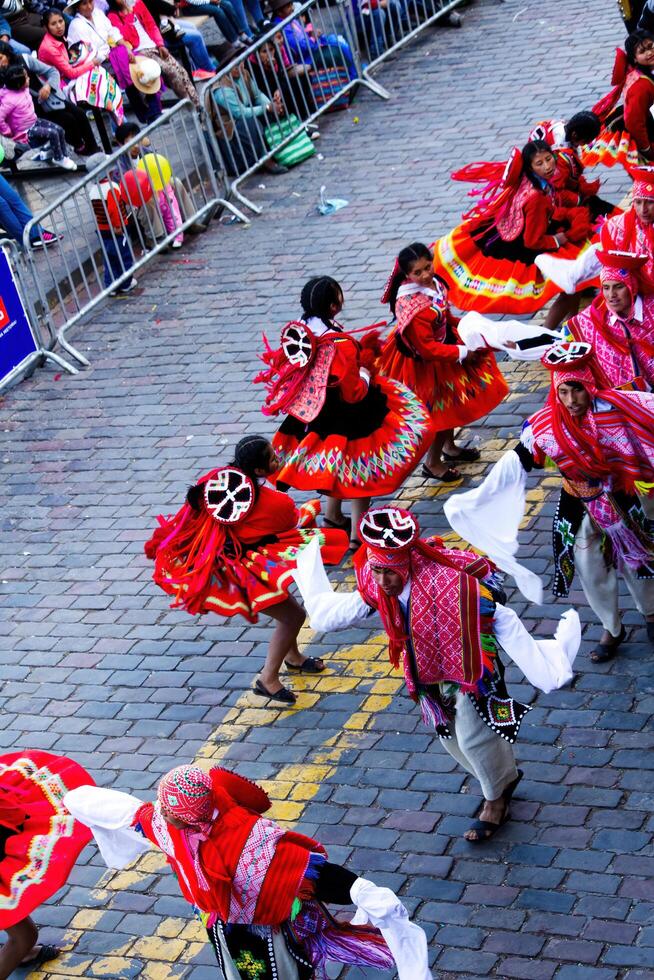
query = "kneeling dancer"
x=258 y=889
x=443 y=611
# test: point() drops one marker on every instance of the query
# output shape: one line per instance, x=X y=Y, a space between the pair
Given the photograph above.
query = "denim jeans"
x=194 y=42
x=224 y=16
x=14 y=213
x=119 y=255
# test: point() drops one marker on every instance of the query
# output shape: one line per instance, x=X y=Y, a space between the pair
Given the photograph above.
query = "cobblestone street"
x=94 y=664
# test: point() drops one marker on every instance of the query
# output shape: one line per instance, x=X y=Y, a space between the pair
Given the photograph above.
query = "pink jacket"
x=55 y=53
x=125 y=24
x=17 y=114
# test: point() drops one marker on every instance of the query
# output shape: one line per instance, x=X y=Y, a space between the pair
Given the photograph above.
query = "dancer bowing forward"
x=347 y=433
x=427 y=355
x=444 y=614
x=258 y=889
x=488 y=260
x=231 y=549
x=602 y=441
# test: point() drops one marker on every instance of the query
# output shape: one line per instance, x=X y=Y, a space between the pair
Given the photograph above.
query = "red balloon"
x=136 y=187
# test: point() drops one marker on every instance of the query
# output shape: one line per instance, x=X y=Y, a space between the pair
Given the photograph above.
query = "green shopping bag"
x=299 y=149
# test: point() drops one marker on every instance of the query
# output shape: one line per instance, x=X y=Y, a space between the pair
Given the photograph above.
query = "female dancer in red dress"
x=627 y=134
x=347 y=433
x=427 y=355
x=39 y=844
x=232 y=548
x=488 y=260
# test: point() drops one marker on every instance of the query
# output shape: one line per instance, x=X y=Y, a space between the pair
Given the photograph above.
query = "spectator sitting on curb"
x=19 y=121
x=304 y=44
x=14 y=216
x=240 y=105
x=84 y=79
x=137 y=26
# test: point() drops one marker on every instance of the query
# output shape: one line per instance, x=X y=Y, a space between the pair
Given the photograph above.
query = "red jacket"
x=637 y=103
x=344 y=370
x=125 y=23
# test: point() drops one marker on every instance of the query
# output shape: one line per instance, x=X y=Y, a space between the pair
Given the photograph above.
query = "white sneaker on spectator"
x=46 y=238
x=43 y=156
x=125 y=288
x=66 y=163
x=177 y=242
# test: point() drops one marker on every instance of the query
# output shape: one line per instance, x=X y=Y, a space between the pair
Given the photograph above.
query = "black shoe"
x=275 y=168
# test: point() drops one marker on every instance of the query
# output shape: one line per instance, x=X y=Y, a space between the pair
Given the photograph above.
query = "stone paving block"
x=104 y=650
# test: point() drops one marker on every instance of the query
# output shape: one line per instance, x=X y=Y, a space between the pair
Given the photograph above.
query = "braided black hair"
x=250 y=454
x=405 y=261
x=318 y=296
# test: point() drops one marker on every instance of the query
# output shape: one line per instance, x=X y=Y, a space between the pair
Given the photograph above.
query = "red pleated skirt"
x=39 y=855
x=490 y=283
x=332 y=455
x=455 y=393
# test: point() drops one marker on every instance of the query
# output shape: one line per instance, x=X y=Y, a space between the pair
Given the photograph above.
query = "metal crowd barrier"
x=383 y=31
x=306 y=65
x=71 y=277
x=24 y=342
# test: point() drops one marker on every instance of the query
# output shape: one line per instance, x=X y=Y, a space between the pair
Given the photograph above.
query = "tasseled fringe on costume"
x=494 y=192
x=282 y=379
x=307 y=890
x=432 y=713
x=325 y=939
x=191 y=542
x=628 y=550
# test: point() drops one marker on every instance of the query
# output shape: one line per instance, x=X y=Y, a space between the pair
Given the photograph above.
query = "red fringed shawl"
x=247 y=869
x=615 y=445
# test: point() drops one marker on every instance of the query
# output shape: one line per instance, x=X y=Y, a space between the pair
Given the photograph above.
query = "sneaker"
x=201 y=75
x=46 y=238
x=178 y=242
x=66 y=163
x=125 y=288
x=314 y=136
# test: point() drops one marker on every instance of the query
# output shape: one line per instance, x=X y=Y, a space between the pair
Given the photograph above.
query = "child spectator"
x=19 y=121
x=111 y=217
x=168 y=210
x=49 y=101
